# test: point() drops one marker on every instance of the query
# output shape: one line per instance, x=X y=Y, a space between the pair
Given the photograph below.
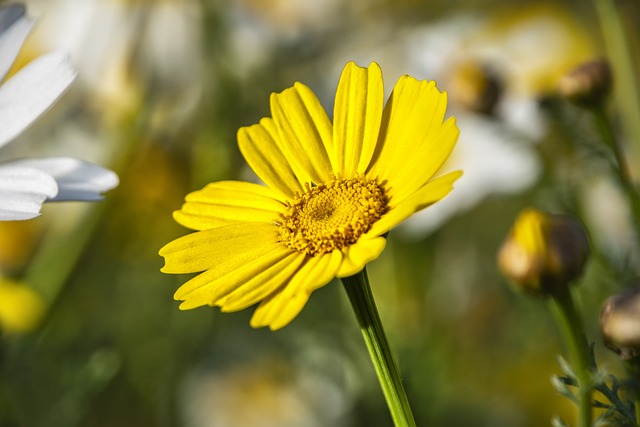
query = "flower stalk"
x=364 y=307
x=622 y=166
x=622 y=60
x=573 y=335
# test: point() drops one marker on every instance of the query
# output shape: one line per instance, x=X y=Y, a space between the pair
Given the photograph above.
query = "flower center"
x=331 y=215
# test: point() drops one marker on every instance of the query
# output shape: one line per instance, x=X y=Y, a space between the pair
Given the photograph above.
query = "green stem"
x=364 y=307
x=624 y=71
x=573 y=335
x=58 y=256
x=622 y=166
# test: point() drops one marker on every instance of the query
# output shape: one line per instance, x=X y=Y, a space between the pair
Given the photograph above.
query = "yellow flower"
x=332 y=192
x=21 y=308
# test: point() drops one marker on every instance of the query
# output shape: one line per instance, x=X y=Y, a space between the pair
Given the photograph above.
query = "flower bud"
x=620 y=323
x=588 y=84
x=475 y=87
x=543 y=252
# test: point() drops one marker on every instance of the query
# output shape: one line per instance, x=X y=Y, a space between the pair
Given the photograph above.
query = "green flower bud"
x=588 y=84
x=620 y=323
x=543 y=252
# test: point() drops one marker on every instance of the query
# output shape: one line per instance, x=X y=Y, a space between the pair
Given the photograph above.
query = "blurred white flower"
x=25 y=184
x=264 y=393
x=260 y=28
x=128 y=50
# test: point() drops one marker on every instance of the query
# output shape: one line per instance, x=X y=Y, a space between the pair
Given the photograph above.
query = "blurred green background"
x=163 y=87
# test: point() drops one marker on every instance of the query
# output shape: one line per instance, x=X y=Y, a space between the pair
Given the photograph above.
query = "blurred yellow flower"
x=333 y=191
x=544 y=252
x=21 y=308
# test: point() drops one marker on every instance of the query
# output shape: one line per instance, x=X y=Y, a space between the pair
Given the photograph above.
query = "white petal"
x=14 y=28
x=23 y=190
x=77 y=179
x=29 y=93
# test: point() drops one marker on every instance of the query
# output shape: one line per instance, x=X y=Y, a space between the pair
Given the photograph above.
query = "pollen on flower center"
x=332 y=215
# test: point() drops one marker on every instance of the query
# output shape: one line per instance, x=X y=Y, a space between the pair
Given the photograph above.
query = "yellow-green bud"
x=588 y=84
x=544 y=252
x=620 y=323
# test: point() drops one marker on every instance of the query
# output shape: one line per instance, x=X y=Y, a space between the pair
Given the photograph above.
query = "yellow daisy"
x=332 y=192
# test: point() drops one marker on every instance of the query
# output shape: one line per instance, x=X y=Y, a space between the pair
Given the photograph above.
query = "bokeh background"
x=163 y=87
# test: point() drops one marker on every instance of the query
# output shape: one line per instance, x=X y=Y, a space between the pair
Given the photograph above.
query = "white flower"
x=122 y=49
x=25 y=184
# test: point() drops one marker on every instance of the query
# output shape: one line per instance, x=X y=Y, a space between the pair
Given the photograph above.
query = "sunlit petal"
x=212 y=249
x=280 y=308
x=23 y=190
x=213 y=286
x=431 y=192
x=263 y=284
x=260 y=147
x=412 y=135
x=76 y=179
x=14 y=28
x=304 y=133
x=226 y=202
x=29 y=93
x=357 y=115
x=357 y=255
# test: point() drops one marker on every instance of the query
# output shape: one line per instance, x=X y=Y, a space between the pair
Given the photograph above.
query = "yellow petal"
x=304 y=133
x=262 y=284
x=430 y=193
x=366 y=249
x=411 y=135
x=212 y=286
x=356 y=118
x=421 y=167
x=290 y=308
x=260 y=148
x=204 y=250
x=279 y=309
x=227 y=202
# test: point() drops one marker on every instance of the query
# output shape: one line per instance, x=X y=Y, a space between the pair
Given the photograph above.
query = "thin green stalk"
x=364 y=307
x=622 y=166
x=624 y=72
x=573 y=335
x=59 y=255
